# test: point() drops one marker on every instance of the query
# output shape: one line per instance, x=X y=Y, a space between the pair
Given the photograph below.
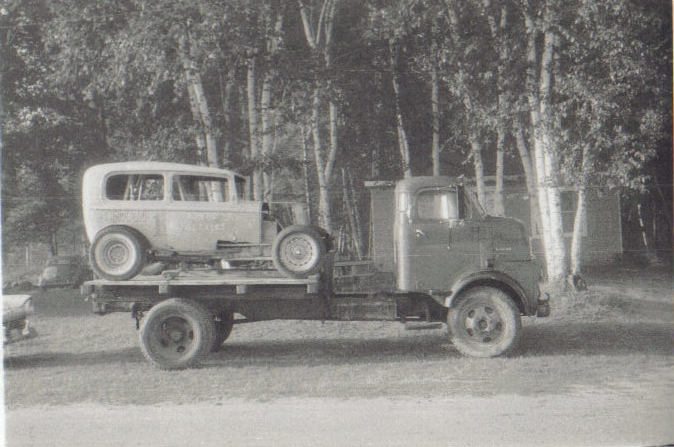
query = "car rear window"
x=135 y=187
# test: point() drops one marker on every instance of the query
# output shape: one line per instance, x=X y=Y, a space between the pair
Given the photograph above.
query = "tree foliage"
x=336 y=84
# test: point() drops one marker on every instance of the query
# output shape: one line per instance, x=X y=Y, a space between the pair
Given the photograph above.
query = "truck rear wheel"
x=117 y=253
x=484 y=323
x=298 y=251
x=177 y=333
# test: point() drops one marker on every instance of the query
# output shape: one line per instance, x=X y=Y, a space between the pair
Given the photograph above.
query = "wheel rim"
x=115 y=254
x=172 y=338
x=482 y=324
x=299 y=252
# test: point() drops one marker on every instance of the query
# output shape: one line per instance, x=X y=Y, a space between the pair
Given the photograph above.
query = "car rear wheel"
x=298 y=251
x=484 y=323
x=117 y=253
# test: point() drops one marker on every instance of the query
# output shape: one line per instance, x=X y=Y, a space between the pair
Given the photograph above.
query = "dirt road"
x=599 y=372
x=587 y=417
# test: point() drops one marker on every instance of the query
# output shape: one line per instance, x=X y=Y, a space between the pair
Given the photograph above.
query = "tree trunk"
x=267 y=134
x=556 y=230
x=435 y=113
x=478 y=164
x=226 y=92
x=199 y=105
x=318 y=38
x=403 y=144
x=538 y=95
x=351 y=213
x=497 y=32
x=498 y=208
x=252 y=130
x=305 y=172
x=530 y=177
x=580 y=216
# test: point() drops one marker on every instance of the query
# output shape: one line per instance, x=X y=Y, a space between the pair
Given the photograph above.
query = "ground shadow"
x=553 y=339
x=601 y=338
x=56 y=359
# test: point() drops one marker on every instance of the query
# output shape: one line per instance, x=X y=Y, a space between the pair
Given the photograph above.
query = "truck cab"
x=445 y=243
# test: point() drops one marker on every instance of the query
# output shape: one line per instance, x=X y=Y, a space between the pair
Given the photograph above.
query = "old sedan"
x=136 y=213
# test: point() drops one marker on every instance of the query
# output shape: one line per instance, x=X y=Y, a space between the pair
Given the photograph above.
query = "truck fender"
x=489 y=278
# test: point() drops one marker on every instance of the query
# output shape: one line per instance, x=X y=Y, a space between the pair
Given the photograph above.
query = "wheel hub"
x=484 y=324
x=298 y=251
x=118 y=254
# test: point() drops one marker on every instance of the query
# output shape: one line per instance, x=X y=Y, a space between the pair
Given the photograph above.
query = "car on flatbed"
x=142 y=213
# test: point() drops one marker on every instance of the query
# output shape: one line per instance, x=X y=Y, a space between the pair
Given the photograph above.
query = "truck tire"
x=223 y=328
x=177 y=333
x=298 y=251
x=484 y=323
x=117 y=253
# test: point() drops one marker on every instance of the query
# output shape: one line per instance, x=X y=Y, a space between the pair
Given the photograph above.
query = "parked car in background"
x=64 y=271
x=16 y=313
x=138 y=213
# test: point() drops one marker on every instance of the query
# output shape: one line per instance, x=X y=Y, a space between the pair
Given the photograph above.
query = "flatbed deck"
x=213 y=278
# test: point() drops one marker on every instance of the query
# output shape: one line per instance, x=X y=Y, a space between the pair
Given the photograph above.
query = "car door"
x=205 y=214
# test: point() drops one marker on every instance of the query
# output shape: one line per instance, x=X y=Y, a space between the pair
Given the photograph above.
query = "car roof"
x=157 y=166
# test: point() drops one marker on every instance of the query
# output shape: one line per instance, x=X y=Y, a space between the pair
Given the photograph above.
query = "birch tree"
x=317 y=22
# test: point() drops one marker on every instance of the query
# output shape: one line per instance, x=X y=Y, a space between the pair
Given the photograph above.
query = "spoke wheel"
x=117 y=253
x=177 y=333
x=298 y=251
x=484 y=323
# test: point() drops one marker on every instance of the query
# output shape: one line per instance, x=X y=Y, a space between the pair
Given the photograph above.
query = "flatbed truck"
x=438 y=258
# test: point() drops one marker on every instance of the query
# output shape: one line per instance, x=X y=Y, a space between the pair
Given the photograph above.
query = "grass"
x=620 y=330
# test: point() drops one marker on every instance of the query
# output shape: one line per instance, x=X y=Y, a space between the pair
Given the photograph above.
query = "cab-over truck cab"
x=481 y=268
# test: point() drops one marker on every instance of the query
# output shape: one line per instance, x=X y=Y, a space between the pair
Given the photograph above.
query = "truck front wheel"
x=484 y=323
x=177 y=333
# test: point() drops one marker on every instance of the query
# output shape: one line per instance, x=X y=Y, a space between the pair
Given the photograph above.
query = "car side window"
x=437 y=205
x=135 y=187
x=196 y=188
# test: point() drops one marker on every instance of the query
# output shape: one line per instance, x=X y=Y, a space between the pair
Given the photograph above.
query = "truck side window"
x=437 y=205
x=193 y=188
x=135 y=187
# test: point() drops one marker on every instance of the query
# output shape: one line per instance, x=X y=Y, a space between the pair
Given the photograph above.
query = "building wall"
x=602 y=232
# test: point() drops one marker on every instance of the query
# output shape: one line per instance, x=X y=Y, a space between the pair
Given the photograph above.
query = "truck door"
x=442 y=242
